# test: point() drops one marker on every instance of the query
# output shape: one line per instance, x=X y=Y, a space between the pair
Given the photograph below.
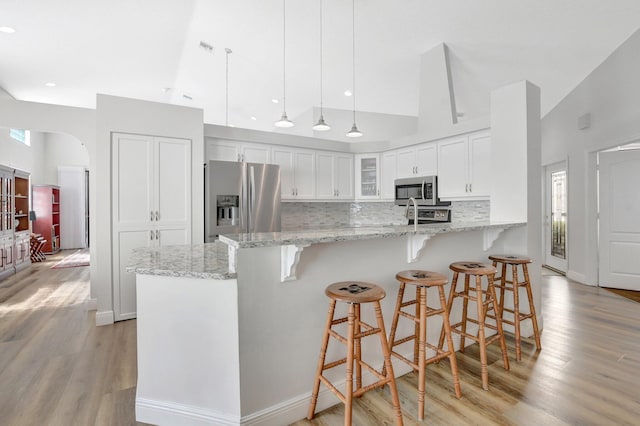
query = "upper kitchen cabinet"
x=388 y=174
x=297 y=172
x=367 y=176
x=151 y=181
x=224 y=150
x=334 y=176
x=420 y=160
x=465 y=167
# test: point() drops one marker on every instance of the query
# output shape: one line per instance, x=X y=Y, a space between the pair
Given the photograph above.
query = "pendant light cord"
x=320 y=58
x=284 y=55
x=353 y=27
x=227 y=89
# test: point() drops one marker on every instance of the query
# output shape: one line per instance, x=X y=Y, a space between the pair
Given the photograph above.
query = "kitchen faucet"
x=415 y=212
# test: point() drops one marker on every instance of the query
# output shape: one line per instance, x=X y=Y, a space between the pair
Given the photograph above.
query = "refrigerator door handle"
x=243 y=197
x=252 y=196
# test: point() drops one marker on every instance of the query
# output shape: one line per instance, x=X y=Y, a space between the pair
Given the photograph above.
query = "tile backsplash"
x=329 y=215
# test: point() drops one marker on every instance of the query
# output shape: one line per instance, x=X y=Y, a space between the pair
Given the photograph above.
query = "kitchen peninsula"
x=229 y=332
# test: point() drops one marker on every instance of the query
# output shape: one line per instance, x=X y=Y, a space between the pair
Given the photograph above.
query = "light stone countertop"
x=191 y=261
x=308 y=237
x=211 y=260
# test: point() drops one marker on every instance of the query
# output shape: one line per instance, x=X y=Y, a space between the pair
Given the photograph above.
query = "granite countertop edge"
x=201 y=261
x=308 y=237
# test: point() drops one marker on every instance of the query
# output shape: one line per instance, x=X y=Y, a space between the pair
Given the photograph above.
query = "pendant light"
x=228 y=51
x=284 y=121
x=321 y=126
x=354 y=132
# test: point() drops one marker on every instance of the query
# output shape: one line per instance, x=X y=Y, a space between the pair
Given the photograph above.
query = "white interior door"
x=71 y=181
x=619 y=204
x=555 y=216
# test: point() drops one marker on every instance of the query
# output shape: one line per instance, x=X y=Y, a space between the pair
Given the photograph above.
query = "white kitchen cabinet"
x=367 y=176
x=388 y=174
x=224 y=150
x=297 y=172
x=334 y=176
x=151 y=181
x=465 y=167
x=420 y=160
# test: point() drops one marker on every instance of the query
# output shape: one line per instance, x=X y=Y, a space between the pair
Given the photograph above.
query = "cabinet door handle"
x=238 y=157
x=157 y=234
x=151 y=235
x=378 y=192
x=470 y=188
x=151 y=213
x=157 y=215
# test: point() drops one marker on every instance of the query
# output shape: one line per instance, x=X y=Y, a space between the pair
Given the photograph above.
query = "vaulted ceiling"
x=151 y=49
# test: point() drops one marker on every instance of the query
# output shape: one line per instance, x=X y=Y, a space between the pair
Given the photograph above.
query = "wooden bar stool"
x=486 y=301
x=513 y=286
x=423 y=280
x=354 y=293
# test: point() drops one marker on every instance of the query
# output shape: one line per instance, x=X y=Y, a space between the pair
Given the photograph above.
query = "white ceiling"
x=138 y=48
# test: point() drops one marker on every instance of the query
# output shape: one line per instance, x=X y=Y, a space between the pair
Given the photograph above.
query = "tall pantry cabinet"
x=151 y=206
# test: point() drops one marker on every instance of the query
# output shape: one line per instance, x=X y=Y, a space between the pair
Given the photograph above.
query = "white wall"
x=116 y=114
x=79 y=122
x=14 y=153
x=610 y=94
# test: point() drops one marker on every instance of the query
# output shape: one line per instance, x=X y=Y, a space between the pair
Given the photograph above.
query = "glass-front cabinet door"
x=368 y=176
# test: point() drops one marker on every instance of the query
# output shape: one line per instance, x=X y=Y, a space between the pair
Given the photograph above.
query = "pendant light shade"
x=354 y=132
x=321 y=126
x=284 y=121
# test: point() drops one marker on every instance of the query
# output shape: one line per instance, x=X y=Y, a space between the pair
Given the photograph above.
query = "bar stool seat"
x=423 y=280
x=354 y=293
x=514 y=286
x=486 y=302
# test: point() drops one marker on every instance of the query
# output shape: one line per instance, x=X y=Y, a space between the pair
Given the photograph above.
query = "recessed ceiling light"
x=253 y=118
x=50 y=84
x=7 y=30
x=275 y=101
x=348 y=93
x=232 y=125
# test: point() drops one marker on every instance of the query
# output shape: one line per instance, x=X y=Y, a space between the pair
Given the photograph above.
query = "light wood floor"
x=57 y=368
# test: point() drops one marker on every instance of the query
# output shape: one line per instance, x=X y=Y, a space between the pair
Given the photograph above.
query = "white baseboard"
x=104 y=318
x=92 y=304
x=168 y=413
x=573 y=275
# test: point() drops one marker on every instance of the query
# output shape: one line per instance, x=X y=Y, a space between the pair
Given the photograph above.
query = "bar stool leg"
x=465 y=306
x=532 y=308
x=516 y=309
x=388 y=366
x=358 y=347
x=503 y=344
x=422 y=343
x=452 y=352
x=452 y=295
x=323 y=353
x=349 y=367
x=481 y=334
x=416 y=328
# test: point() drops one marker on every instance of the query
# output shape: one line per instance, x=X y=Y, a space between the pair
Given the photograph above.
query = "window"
x=20 y=135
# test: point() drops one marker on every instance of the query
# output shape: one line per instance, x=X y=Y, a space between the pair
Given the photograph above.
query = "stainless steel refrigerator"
x=241 y=198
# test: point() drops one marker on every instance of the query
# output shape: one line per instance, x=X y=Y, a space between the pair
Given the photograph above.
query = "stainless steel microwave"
x=422 y=189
